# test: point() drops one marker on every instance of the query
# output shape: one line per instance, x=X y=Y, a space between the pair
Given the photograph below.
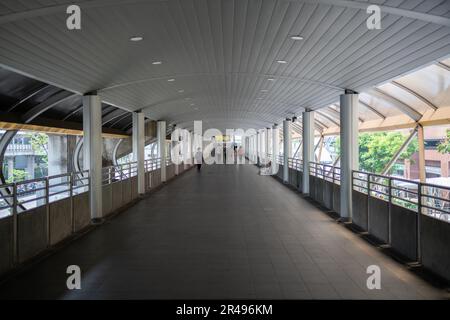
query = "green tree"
x=444 y=146
x=39 y=143
x=377 y=148
x=17 y=175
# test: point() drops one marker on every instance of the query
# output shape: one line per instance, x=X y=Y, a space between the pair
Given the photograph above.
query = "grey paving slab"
x=225 y=232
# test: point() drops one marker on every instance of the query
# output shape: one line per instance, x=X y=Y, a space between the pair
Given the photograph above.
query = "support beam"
x=421 y=142
x=47 y=104
x=308 y=147
x=161 y=134
x=349 y=150
x=287 y=148
x=92 y=148
x=403 y=107
x=138 y=148
x=399 y=151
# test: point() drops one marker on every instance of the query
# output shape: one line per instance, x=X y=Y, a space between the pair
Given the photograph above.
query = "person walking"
x=198 y=159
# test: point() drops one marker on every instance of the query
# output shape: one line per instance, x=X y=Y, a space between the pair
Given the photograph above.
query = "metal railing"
x=152 y=164
x=325 y=171
x=295 y=163
x=25 y=195
x=280 y=159
x=119 y=172
x=432 y=200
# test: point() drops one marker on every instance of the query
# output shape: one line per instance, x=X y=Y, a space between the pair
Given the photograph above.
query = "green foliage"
x=377 y=148
x=39 y=142
x=18 y=175
x=444 y=146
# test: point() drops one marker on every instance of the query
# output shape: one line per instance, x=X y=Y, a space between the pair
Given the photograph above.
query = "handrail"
x=24 y=195
x=426 y=198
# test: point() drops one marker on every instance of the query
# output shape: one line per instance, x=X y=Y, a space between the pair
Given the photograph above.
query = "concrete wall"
x=60 y=215
x=379 y=219
x=328 y=194
x=360 y=209
x=106 y=199
x=337 y=198
x=31 y=232
x=6 y=244
x=117 y=199
x=134 y=188
x=81 y=211
x=404 y=232
x=435 y=241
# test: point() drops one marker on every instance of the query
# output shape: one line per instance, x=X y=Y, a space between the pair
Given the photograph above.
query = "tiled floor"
x=223 y=233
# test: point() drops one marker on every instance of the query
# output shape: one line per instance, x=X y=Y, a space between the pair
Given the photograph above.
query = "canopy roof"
x=220 y=60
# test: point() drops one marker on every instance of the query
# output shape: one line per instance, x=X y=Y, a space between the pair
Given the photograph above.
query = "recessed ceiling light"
x=296 y=37
x=157 y=62
x=264 y=90
x=192 y=104
x=181 y=91
x=171 y=80
x=271 y=79
x=281 y=61
x=195 y=108
x=187 y=98
x=136 y=38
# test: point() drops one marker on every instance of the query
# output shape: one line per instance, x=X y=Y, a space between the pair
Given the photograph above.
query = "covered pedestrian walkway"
x=223 y=233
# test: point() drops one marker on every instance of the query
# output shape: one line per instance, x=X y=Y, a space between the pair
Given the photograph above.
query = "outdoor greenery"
x=39 y=143
x=377 y=148
x=444 y=146
x=18 y=175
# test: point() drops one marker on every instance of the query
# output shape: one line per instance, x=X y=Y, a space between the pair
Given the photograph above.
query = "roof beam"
x=78 y=109
x=403 y=107
x=29 y=96
x=52 y=9
x=378 y=113
x=415 y=94
x=443 y=66
x=46 y=105
x=113 y=115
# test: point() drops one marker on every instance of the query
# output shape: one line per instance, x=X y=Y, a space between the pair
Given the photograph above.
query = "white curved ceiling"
x=222 y=53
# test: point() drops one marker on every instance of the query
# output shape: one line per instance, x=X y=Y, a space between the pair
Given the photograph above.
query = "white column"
x=92 y=150
x=287 y=145
x=267 y=132
x=161 y=135
x=275 y=146
x=349 y=149
x=258 y=147
x=308 y=146
x=138 y=148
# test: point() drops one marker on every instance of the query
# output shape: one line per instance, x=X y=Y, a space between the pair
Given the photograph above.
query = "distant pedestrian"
x=198 y=159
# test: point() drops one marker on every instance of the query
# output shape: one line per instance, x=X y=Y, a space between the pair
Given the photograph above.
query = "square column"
x=308 y=147
x=92 y=150
x=349 y=150
x=161 y=136
x=287 y=148
x=138 y=148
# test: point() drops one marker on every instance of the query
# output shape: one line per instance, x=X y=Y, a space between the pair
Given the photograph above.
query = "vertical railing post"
x=47 y=208
x=368 y=199
x=389 y=209
x=15 y=257
x=72 y=213
x=419 y=222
